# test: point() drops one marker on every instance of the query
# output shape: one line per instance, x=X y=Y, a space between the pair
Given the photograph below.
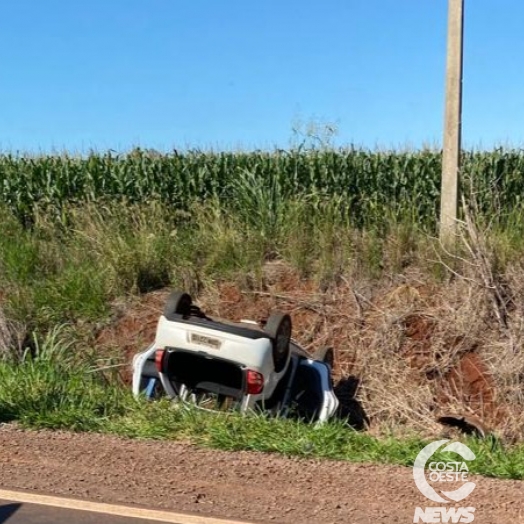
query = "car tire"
x=178 y=303
x=279 y=327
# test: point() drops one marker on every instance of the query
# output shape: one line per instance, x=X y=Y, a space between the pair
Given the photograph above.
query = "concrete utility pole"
x=452 y=123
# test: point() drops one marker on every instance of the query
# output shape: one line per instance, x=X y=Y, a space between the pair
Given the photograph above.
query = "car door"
x=312 y=396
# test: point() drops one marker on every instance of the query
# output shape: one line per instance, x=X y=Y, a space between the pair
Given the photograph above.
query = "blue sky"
x=241 y=74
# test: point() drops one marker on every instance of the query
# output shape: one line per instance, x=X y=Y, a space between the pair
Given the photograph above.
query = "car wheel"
x=278 y=326
x=178 y=303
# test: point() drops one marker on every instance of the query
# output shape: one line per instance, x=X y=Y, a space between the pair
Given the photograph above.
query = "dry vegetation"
x=5 y=335
x=408 y=350
x=332 y=237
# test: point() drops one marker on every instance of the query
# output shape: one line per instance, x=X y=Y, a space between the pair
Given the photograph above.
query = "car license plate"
x=204 y=340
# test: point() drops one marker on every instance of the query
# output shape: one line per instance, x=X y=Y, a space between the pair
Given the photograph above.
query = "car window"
x=307 y=395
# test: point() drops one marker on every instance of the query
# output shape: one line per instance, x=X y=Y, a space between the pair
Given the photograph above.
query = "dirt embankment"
x=407 y=352
x=250 y=486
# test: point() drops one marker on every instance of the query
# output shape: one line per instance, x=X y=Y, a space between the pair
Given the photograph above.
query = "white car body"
x=212 y=356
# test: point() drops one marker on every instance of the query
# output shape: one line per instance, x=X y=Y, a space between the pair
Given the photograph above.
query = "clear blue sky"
x=237 y=73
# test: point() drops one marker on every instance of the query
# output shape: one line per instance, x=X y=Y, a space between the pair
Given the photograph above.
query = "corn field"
x=374 y=186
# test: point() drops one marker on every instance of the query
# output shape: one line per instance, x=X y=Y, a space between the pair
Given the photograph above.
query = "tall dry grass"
x=409 y=348
x=5 y=335
x=402 y=313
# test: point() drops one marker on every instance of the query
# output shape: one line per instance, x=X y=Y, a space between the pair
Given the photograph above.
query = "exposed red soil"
x=134 y=330
x=256 y=487
x=466 y=381
x=339 y=318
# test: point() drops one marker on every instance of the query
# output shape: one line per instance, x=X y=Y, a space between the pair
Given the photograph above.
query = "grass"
x=54 y=386
x=114 y=227
x=55 y=389
x=54 y=274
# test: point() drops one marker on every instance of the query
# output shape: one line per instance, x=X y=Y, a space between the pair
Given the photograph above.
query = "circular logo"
x=443 y=471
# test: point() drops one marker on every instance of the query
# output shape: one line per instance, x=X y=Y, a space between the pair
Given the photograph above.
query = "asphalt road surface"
x=19 y=513
x=24 y=508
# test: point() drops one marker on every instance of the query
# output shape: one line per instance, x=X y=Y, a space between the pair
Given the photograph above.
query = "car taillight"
x=255 y=382
x=159 y=359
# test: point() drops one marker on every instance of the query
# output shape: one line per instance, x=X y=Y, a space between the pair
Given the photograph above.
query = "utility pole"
x=452 y=123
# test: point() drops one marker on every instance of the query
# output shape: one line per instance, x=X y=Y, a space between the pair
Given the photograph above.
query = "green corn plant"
x=374 y=184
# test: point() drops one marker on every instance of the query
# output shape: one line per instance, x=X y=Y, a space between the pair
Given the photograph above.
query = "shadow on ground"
x=351 y=409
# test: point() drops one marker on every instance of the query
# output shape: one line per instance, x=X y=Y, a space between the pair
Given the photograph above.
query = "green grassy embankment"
x=79 y=234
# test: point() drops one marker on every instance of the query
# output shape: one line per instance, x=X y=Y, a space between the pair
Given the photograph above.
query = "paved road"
x=19 y=513
x=28 y=508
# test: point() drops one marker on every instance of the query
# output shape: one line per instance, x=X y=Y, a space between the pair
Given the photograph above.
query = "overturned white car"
x=216 y=364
